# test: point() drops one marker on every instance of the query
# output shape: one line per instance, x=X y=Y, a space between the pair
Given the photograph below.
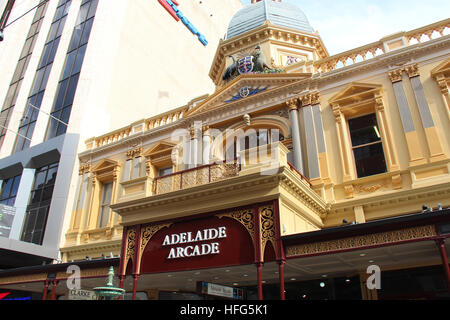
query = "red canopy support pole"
x=137 y=261
x=55 y=283
x=44 y=294
x=441 y=246
x=259 y=266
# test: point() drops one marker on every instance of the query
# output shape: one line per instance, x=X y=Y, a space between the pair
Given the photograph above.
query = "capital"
x=395 y=75
x=292 y=104
x=412 y=70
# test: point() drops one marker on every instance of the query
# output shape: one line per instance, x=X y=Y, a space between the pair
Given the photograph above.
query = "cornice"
x=266 y=32
x=391 y=198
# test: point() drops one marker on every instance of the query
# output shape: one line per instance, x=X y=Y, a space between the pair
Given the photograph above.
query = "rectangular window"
x=39 y=204
x=164 y=171
x=367 y=145
x=9 y=189
x=68 y=84
x=28 y=122
x=104 y=205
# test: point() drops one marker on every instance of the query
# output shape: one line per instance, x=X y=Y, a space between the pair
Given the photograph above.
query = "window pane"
x=86 y=32
x=61 y=93
x=364 y=130
x=79 y=60
x=53 y=52
x=71 y=91
x=15 y=186
x=69 y=64
x=165 y=171
x=61 y=26
x=370 y=160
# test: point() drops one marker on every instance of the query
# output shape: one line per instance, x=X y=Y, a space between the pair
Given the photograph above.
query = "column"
x=186 y=151
x=55 y=283
x=415 y=152
x=194 y=149
x=206 y=145
x=365 y=292
x=442 y=83
x=296 y=143
x=137 y=261
x=23 y=195
x=121 y=279
x=320 y=140
x=441 y=246
x=79 y=204
x=94 y=205
x=434 y=144
x=343 y=139
x=135 y=280
x=259 y=266
x=281 y=276
x=389 y=150
x=44 y=294
x=310 y=135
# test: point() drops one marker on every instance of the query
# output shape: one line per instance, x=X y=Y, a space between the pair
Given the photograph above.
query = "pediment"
x=442 y=69
x=104 y=164
x=355 y=92
x=245 y=87
x=159 y=149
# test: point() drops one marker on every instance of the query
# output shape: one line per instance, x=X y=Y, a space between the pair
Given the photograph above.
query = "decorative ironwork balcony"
x=195 y=177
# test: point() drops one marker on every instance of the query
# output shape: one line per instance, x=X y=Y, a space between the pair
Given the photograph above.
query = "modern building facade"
x=303 y=176
x=66 y=65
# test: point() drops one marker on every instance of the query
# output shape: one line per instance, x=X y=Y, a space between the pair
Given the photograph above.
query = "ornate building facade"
x=298 y=175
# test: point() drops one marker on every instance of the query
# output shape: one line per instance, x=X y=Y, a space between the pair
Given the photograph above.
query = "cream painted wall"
x=142 y=62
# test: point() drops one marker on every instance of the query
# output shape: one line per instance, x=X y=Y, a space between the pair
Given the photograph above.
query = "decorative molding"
x=244 y=217
x=412 y=70
x=292 y=104
x=267 y=227
x=396 y=75
x=148 y=232
x=381 y=238
x=24 y=278
x=131 y=246
x=134 y=153
x=84 y=168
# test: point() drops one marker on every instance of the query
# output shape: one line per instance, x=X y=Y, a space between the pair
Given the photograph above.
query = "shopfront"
x=219 y=247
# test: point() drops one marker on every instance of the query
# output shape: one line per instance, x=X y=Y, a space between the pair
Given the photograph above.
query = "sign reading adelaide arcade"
x=194 y=249
x=195 y=244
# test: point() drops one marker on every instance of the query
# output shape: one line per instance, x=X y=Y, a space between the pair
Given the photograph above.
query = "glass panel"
x=86 y=32
x=44 y=57
x=92 y=9
x=69 y=63
x=61 y=94
x=53 y=52
x=61 y=26
x=71 y=90
x=370 y=160
x=15 y=186
x=79 y=60
x=364 y=130
x=52 y=32
x=6 y=188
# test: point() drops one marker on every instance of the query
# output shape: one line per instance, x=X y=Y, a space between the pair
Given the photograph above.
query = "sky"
x=347 y=24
